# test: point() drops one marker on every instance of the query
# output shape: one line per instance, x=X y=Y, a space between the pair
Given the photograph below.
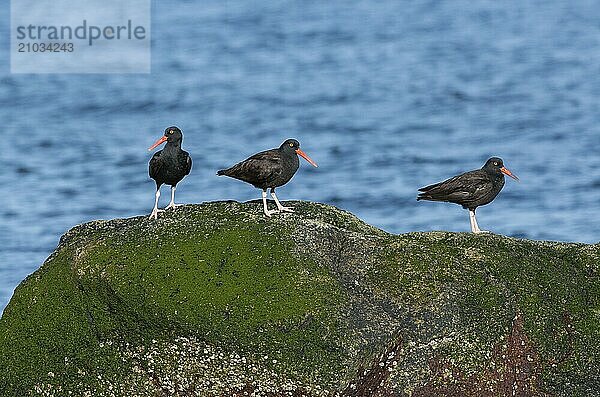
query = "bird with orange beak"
x=169 y=165
x=269 y=170
x=471 y=189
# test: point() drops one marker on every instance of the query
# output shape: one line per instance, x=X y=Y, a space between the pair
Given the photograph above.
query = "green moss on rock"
x=214 y=299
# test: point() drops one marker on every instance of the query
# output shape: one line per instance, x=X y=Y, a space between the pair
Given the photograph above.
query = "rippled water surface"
x=386 y=96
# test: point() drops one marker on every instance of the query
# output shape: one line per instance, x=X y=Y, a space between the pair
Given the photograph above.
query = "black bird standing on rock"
x=270 y=169
x=169 y=165
x=471 y=189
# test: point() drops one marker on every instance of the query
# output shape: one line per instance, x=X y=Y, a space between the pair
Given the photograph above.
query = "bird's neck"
x=172 y=146
x=288 y=153
x=288 y=156
x=497 y=176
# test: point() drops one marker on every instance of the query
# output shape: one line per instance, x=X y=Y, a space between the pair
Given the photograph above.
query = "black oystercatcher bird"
x=270 y=169
x=471 y=189
x=169 y=165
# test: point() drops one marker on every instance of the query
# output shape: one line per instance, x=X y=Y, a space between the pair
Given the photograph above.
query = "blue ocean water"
x=386 y=96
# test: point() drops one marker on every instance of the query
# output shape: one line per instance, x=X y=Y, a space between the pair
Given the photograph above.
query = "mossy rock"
x=217 y=300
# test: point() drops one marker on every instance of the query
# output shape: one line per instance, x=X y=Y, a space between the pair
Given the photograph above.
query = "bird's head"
x=172 y=135
x=496 y=165
x=293 y=146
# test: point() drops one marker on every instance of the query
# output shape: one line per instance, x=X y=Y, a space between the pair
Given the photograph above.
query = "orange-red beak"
x=305 y=156
x=161 y=140
x=506 y=171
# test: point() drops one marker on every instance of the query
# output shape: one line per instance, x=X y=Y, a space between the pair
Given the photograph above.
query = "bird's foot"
x=173 y=205
x=481 y=231
x=270 y=212
x=155 y=212
x=285 y=209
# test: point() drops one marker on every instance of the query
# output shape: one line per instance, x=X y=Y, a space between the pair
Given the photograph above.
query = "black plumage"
x=270 y=169
x=471 y=189
x=169 y=165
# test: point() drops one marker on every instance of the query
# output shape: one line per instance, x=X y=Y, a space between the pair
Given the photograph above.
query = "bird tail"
x=429 y=193
x=431 y=196
x=221 y=172
x=429 y=188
